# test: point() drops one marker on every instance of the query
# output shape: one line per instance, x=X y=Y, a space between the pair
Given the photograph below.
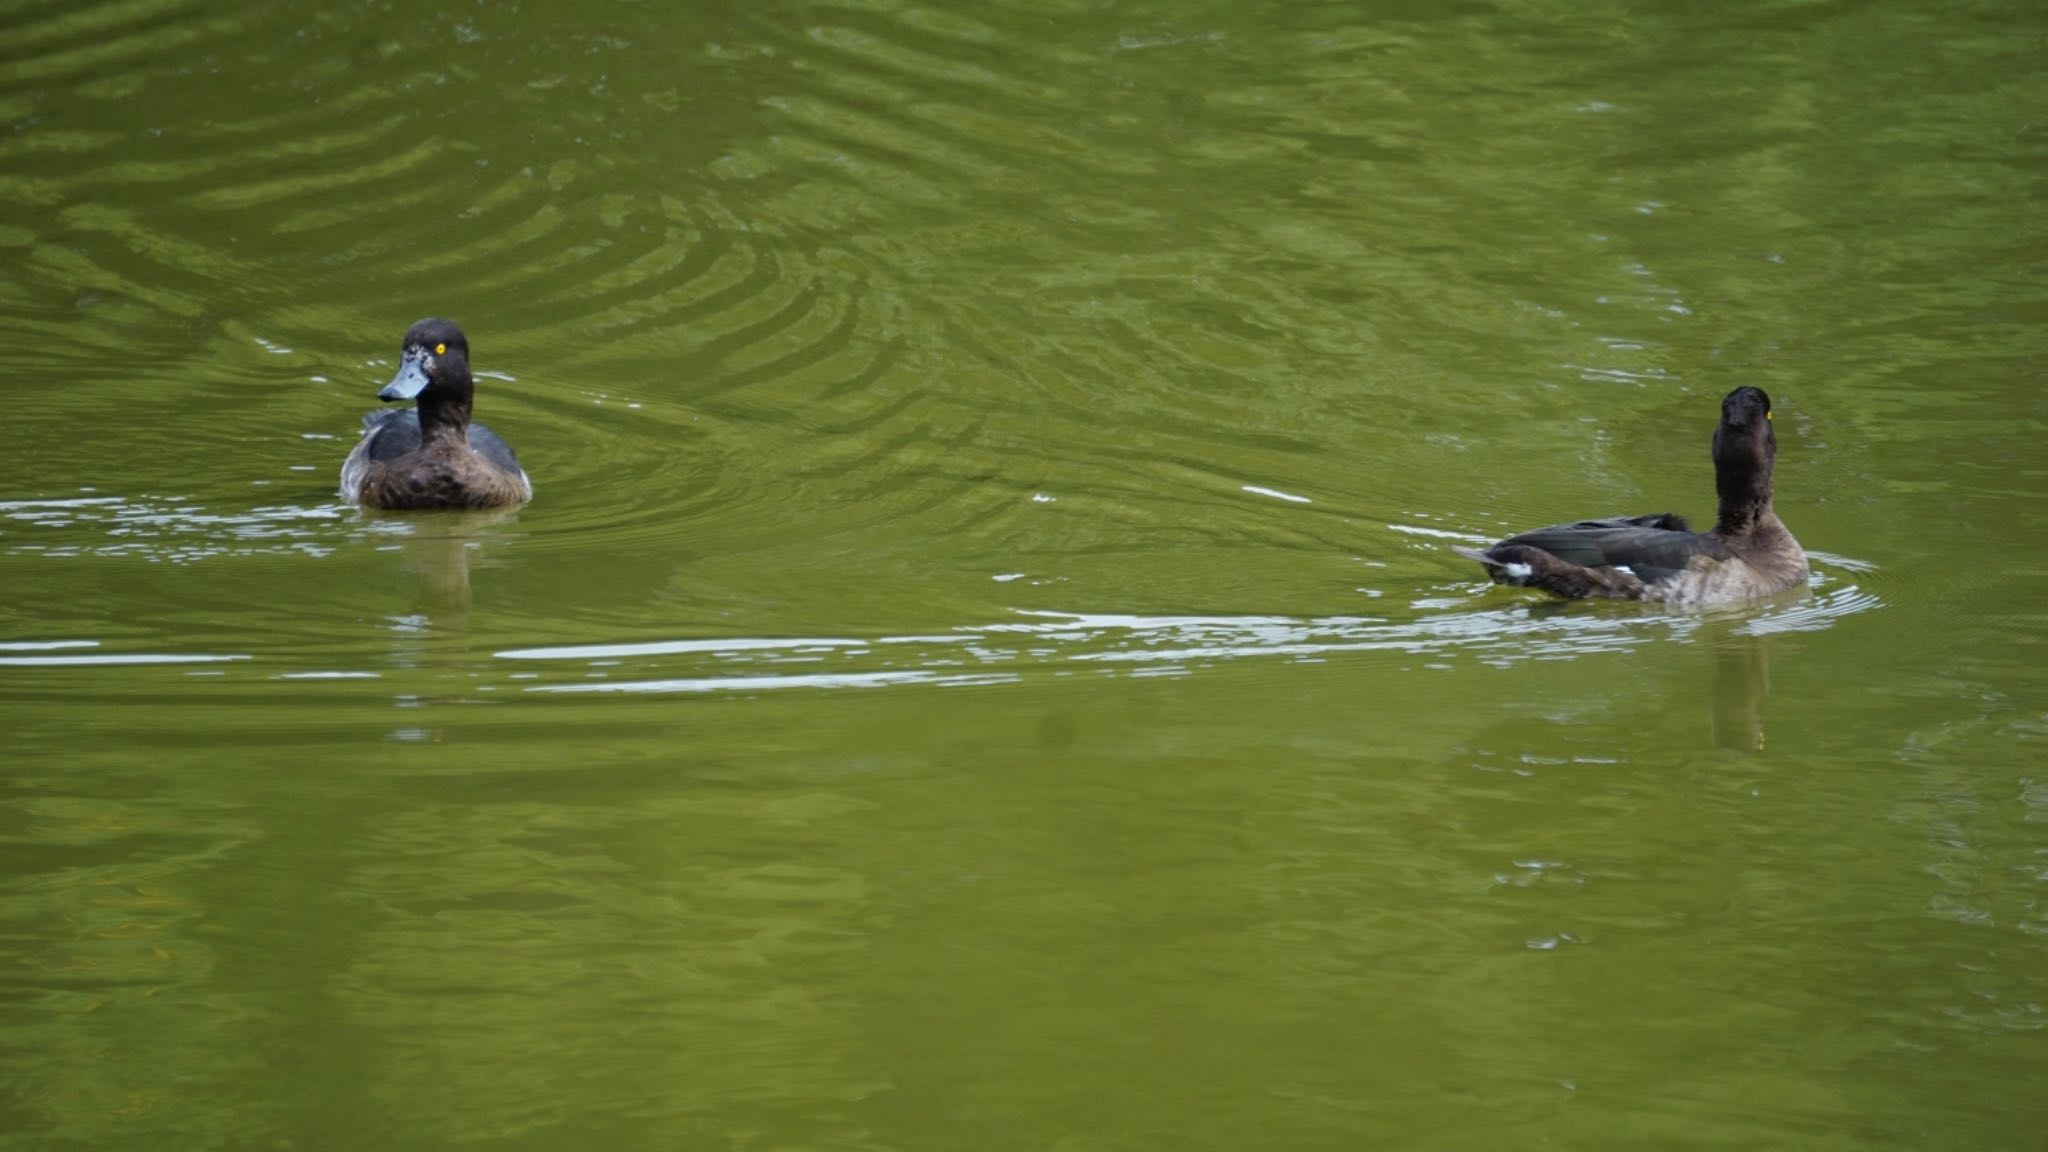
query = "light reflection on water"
x=1468 y=620
x=1060 y=643
x=167 y=529
x=115 y=659
x=440 y=552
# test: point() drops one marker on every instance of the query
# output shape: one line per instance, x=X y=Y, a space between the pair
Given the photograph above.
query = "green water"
x=983 y=668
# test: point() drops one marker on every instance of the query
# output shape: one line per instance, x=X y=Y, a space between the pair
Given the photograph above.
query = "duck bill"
x=410 y=381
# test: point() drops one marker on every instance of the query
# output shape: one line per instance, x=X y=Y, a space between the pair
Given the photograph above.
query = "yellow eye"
x=1771 y=416
x=440 y=349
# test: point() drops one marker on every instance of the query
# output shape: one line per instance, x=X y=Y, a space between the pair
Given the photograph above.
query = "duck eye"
x=440 y=349
x=1769 y=415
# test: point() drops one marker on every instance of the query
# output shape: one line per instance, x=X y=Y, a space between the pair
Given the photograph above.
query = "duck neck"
x=1745 y=499
x=444 y=418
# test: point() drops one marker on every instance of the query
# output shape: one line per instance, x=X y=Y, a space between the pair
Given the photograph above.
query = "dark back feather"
x=493 y=449
x=390 y=433
x=1647 y=545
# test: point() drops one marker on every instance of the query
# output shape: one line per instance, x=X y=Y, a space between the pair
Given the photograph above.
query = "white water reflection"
x=671 y=648
x=765 y=683
x=119 y=658
x=173 y=529
x=1062 y=643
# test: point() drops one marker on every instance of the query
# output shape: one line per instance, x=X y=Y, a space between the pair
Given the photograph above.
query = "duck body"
x=1749 y=553
x=393 y=466
x=432 y=456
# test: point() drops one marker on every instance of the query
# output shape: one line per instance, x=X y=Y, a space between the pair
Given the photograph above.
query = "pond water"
x=984 y=667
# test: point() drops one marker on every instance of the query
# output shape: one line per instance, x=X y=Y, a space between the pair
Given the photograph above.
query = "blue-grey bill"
x=410 y=381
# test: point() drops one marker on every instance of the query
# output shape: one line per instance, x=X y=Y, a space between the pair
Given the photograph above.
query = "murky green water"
x=983 y=668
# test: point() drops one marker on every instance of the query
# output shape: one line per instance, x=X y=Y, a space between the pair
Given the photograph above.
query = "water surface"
x=984 y=667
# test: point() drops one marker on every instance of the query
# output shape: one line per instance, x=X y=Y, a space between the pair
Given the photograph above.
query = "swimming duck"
x=1748 y=554
x=431 y=456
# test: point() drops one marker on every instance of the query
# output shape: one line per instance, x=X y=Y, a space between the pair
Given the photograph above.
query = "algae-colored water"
x=983 y=668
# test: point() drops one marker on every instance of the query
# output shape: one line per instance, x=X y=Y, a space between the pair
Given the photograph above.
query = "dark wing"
x=389 y=433
x=1649 y=546
x=491 y=447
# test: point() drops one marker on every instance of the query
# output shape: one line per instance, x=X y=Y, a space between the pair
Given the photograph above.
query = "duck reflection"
x=1741 y=687
x=436 y=553
x=1741 y=672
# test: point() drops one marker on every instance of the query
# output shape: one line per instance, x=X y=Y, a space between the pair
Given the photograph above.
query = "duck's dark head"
x=433 y=365
x=1744 y=448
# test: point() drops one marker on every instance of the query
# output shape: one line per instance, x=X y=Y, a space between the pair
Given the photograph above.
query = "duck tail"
x=1502 y=569
x=1524 y=566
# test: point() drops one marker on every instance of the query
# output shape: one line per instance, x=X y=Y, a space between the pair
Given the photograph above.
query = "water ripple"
x=1069 y=643
x=170 y=529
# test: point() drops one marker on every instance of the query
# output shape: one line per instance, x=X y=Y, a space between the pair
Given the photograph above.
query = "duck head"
x=433 y=364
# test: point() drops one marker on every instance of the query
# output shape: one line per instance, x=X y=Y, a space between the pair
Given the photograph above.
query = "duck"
x=1748 y=554
x=431 y=455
